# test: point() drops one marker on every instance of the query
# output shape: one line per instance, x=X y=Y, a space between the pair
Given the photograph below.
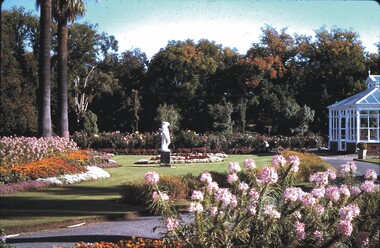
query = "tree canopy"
x=283 y=83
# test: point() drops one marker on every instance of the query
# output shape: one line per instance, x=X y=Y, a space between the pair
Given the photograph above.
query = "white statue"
x=165 y=136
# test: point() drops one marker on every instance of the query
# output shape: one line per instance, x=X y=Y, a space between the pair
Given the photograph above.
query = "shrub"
x=239 y=142
x=362 y=146
x=88 y=122
x=185 y=139
x=177 y=187
x=138 y=192
x=83 y=140
x=310 y=164
x=135 y=193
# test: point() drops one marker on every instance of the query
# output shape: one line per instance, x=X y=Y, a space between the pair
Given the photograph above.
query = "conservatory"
x=356 y=119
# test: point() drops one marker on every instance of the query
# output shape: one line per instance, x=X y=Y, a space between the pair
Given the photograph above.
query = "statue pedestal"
x=165 y=159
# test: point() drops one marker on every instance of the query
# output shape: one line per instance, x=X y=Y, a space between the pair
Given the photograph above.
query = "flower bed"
x=91 y=173
x=133 y=243
x=69 y=163
x=29 y=163
x=21 y=150
x=187 y=158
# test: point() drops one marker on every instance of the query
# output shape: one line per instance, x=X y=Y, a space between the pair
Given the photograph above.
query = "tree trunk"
x=44 y=114
x=63 y=122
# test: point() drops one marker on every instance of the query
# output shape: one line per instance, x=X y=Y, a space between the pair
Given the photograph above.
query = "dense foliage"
x=282 y=85
x=264 y=208
x=235 y=143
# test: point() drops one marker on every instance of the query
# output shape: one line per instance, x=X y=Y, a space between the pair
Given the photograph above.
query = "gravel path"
x=139 y=227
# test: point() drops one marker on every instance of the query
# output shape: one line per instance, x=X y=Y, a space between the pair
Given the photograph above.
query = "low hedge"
x=237 y=143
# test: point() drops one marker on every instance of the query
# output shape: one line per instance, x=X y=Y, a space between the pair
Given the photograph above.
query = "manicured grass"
x=61 y=206
x=369 y=160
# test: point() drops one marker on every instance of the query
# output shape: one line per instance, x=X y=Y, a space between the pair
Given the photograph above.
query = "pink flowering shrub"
x=266 y=209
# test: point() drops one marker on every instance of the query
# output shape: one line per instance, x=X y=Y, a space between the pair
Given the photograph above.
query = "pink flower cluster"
x=370 y=174
x=345 y=228
x=197 y=195
x=151 y=177
x=234 y=167
x=295 y=162
x=231 y=178
x=224 y=195
x=249 y=164
x=293 y=194
x=196 y=207
x=171 y=223
x=300 y=230
x=271 y=212
x=349 y=212
x=160 y=196
x=348 y=168
x=206 y=177
x=322 y=178
x=279 y=160
x=268 y=175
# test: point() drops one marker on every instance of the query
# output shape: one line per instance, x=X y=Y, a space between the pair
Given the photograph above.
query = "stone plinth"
x=165 y=159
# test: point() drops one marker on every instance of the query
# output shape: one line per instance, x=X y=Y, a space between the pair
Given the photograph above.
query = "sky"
x=150 y=24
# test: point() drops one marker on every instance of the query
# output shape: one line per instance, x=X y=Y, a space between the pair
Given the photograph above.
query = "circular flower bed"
x=187 y=158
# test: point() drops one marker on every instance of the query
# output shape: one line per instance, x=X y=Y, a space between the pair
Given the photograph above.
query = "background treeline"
x=282 y=85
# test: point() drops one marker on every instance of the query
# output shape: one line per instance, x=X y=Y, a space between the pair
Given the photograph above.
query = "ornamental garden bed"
x=183 y=158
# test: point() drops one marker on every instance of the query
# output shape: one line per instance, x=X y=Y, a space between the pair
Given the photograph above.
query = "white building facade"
x=357 y=119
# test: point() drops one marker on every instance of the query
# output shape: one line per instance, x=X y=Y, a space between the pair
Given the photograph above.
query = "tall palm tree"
x=44 y=114
x=64 y=11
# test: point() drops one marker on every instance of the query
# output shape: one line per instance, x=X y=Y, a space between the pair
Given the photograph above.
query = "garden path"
x=362 y=167
x=105 y=231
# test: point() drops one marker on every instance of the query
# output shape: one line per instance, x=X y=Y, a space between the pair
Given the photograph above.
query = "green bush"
x=135 y=193
x=84 y=140
x=362 y=146
x=237 y=142
x=138 y=192
x=310 y=164
x=88 y=123
x=178 y=188
x=187 y=139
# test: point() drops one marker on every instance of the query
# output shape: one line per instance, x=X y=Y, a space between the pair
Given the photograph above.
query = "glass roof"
x=370 y=96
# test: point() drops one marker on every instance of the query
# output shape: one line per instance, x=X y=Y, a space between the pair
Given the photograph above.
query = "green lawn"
x=61 y=206
x=369 y=160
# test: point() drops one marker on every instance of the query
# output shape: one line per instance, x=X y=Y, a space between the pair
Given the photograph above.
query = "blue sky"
x=150 y=24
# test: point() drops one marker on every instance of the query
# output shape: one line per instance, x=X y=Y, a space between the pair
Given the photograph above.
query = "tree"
x=91 y=77
x=64 y=11
x=130 y=71
x=373 y=61
x=334 y=70
x=181 y=74
x=135 y=106
x=169 y=114
x=19 y=74
x=1 y=40
x=220 y=115
x=44 y=114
